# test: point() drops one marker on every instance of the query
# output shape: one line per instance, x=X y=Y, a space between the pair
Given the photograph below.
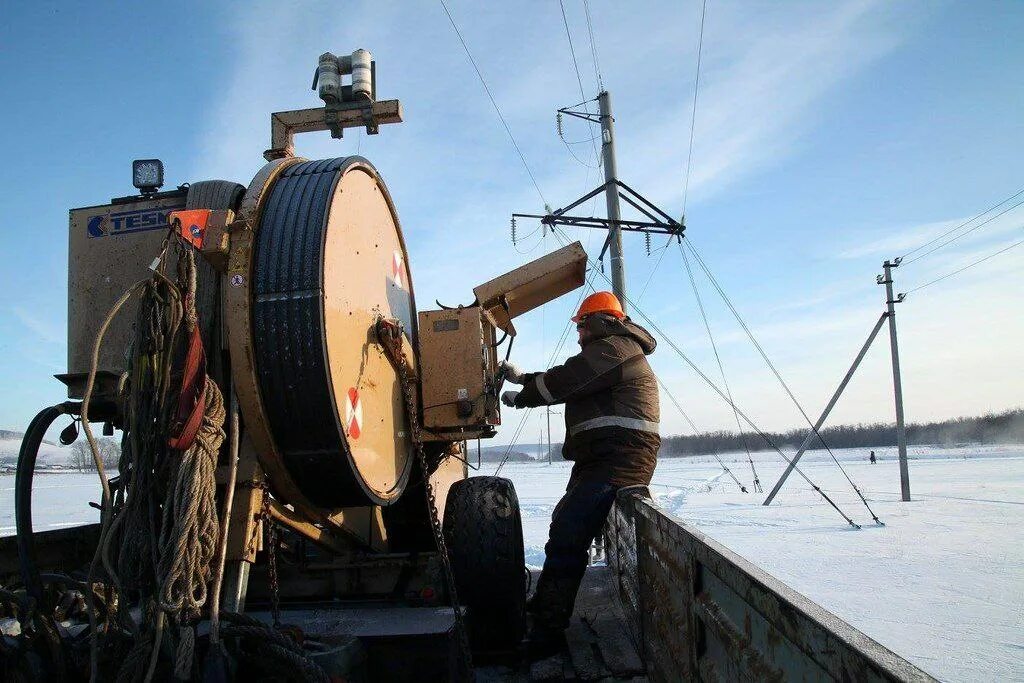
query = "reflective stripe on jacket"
x=608 y=386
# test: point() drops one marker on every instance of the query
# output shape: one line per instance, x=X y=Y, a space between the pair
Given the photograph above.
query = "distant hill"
x=993 y=428
x=522 y=452
x=49 y=453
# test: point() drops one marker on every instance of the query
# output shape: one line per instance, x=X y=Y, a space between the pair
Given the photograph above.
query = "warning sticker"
x=353 y=413
x=396 y=269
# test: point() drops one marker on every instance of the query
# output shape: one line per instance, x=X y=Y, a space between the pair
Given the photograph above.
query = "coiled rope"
x=176 y=569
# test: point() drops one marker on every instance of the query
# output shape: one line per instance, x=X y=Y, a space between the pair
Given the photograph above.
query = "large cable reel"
x=320 y=260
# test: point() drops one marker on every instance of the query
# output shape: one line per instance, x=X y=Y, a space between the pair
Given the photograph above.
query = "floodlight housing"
x=148 y=175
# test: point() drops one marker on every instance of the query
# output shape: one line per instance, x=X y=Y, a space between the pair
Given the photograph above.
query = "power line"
x=693 y=114
x=697 y=432
x=968 y=221
x=593 y=46
x=775 y=371
x=707 y=380
x=579 y=80
x=967 y=232
x=572 y=51
x=689 y=154
x=969 y=265
x=650 y=276
x=721 y=368
x=497 y=110
x=554 y=354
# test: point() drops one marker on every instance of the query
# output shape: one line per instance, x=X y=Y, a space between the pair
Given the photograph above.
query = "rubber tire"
x=214 y=194
x=483 y=529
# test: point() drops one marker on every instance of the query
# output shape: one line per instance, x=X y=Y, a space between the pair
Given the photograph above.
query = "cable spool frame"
x=262 y=405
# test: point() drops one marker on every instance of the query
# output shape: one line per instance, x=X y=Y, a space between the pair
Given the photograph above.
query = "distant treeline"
x=993 y=428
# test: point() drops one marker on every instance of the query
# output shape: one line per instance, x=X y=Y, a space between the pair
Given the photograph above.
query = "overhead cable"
x=554 y=354
x=721 y=368
x=483 y=82
x=969 y=265
x=689 y=154
x=693 y=112
x=579 y=80
x=775 y=371
x=707 y=380
x=967 y=222
x=965 y=233
x=697 y=432
x=593 y=46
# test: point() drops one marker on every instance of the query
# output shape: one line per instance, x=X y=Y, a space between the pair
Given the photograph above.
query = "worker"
x=611 y=422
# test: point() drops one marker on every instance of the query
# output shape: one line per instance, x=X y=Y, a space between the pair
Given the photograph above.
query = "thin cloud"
x=902 y=239
x=44 y=330
x=757 y=90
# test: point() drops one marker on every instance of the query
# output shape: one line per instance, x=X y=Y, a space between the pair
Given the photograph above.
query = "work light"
x=148 y=175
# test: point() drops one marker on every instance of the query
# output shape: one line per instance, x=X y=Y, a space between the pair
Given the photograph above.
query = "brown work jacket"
x=611 y=403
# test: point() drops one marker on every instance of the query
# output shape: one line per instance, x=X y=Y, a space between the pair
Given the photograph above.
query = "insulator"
x=328 y=79
x=362 y=75
x=647 y=242
x=558 y=123
x=513 y=230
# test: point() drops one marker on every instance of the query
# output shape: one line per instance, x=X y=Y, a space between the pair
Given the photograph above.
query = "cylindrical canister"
x=329 y=79
x=362 y=75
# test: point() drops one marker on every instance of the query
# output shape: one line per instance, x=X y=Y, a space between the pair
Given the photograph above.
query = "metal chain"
x=391 y=335
x=275 y=586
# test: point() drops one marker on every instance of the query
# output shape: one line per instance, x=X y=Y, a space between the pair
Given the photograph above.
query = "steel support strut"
x=828 y=409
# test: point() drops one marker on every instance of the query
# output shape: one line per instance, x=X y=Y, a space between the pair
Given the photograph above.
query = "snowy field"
x=942 y=583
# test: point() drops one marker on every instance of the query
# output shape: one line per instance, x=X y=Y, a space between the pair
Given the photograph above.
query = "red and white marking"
x=353 y=413
x=397 y=262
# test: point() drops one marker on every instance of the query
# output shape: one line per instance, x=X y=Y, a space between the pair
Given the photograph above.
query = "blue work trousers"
x=576 y=521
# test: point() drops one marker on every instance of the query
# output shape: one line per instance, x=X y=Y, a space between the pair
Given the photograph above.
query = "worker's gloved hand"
x=509 y=398
x=511 y=372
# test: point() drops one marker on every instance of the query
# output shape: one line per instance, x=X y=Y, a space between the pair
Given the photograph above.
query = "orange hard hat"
x=600 y=302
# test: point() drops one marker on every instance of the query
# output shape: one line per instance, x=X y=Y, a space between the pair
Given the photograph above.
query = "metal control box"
x=458 y=363
x=110 y=248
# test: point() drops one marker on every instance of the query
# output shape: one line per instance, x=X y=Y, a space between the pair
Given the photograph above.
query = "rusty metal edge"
x=712 y=553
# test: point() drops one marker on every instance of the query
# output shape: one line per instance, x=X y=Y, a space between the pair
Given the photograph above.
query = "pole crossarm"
x=585 y=115
x=658 y=222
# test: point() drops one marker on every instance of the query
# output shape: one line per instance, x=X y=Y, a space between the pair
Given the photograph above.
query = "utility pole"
x=541 y=444
x=548 y=411
x=612 y=197
x=897 y=384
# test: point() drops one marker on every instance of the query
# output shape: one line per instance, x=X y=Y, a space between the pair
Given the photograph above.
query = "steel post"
x=612 y=197
x=828 y=409
x=897 y=383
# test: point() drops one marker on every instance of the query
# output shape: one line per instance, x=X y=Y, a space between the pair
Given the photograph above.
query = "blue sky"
x=828 y=136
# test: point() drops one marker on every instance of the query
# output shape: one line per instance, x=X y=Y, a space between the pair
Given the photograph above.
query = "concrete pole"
x=897 y=383
x=612 y=197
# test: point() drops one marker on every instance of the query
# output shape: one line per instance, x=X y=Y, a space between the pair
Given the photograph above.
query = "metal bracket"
x=285 y=124
x=658 y=221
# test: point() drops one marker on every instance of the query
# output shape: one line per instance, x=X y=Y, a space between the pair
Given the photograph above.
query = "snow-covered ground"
x=942 y=583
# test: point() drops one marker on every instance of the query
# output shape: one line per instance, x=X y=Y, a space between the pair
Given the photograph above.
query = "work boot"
x=552 y=602
x=543 y=641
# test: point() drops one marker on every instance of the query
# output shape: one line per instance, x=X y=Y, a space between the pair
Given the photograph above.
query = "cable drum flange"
x=328 y=261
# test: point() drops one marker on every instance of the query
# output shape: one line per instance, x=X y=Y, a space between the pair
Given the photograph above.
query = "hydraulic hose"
x=23 y=493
